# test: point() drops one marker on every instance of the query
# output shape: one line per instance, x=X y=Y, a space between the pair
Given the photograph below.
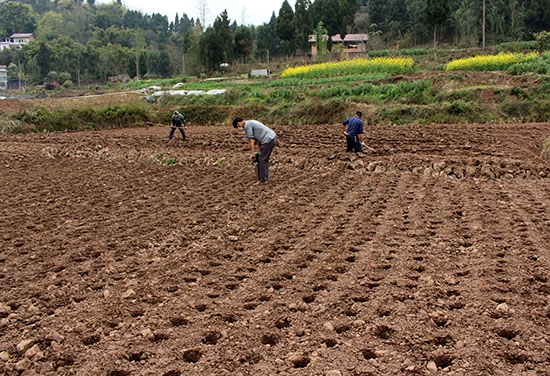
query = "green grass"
x=392 y=98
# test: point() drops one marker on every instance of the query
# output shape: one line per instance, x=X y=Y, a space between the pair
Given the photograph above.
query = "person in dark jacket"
x=178 y=122
x=353 y=130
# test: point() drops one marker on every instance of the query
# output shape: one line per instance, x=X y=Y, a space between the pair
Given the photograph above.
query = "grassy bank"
x=404 y=93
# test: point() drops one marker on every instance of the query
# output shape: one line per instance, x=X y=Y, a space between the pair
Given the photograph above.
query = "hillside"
x=435 y=97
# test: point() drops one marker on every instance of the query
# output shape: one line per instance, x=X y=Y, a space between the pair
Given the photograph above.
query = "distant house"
x=351 y=44
x=16 y=40
x=121 y=78
x=6 y=43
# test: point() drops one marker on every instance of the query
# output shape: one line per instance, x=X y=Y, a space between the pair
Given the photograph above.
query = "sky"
x=252 y=12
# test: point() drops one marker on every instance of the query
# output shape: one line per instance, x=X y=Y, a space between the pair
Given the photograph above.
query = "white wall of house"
x=3 y=78
x=16 y=41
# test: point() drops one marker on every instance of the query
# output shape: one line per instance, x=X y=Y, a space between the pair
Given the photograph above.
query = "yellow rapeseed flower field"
x=352 y=66
x=489 y=62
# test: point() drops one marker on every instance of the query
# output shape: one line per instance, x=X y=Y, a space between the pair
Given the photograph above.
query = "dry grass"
x=12 y=106
x=84 y=101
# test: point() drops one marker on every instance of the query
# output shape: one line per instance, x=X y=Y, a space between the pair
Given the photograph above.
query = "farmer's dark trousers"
x=353 y=144
x=173 y=129
x=263 y=164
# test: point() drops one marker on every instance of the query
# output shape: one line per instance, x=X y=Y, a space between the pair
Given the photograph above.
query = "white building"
x=3 y=77
x=16 y=40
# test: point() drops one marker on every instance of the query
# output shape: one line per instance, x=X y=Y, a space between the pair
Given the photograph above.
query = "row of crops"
x=403 y=65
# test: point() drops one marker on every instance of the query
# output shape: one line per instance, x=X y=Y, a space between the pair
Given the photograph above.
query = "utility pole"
x=19 y=75
x=483 y=27
x=183 y=64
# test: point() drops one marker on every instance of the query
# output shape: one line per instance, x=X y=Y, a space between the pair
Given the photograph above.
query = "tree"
x=43 y=58
x=191 y=63
x=436 y=12
x=52 y=77
x=397 y=20
x=466 y=19
x=138 y=46
x=537 y=16
x=216 y=44
x=159 y=64
x=347 y=8
x=108 y=15
x=377 y=10
x=13 y=70
x=9 y=56
x=267 y=41
x=79 y=23
x=182 y=25
x=40 y=6
x=418 y=32
x=91 y=64
x=114 y=60
x=65 y=5
x=133 y=19
x=64 y=55
x=158 y=24
x=210 y=54
x=50 y=26
x=285 y=29
x=16 y=17
x=303 y=24
x=224 y=37
x=328 y=12
x=321 y=37
x=244 y=44
x=203 y=12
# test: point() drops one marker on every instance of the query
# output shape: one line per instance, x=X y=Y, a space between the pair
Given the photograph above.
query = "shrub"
x=544 y=89
x=519 y=46
x=518 y=92
x=527 y=111
x=460 y=107
x=538 y=66
x=543 y=40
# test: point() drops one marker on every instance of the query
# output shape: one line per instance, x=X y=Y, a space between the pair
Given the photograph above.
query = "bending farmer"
x=353 y=130
x=178 y=121
x=266 y=138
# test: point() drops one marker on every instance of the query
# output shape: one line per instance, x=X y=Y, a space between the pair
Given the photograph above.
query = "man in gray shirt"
x=265 y=137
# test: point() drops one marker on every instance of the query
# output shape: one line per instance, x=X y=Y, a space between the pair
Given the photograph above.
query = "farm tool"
x=368 y=147
x=255 y=163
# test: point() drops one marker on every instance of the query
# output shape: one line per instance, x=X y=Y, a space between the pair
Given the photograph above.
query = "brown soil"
x=430 y=255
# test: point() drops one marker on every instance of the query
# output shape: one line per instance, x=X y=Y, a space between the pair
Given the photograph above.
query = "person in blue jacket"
x=353 y=130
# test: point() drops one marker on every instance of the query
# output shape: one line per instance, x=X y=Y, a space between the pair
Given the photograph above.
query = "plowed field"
x=122 y=254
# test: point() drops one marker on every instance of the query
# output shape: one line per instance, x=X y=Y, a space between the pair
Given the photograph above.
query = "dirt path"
x=430 y=254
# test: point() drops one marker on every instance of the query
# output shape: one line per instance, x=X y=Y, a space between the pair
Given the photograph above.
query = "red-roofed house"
x=350 y=45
